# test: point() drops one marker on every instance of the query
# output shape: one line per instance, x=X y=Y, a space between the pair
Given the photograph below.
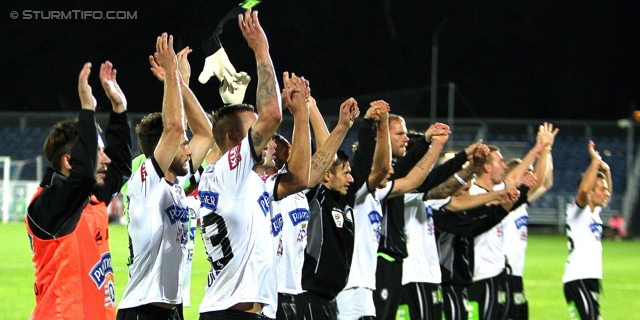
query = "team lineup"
x=292 y=229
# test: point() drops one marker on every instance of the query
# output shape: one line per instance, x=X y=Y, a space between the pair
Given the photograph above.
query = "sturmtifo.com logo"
x=74 y=15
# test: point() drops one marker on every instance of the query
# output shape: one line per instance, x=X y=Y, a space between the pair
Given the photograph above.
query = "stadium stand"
x=22 y=137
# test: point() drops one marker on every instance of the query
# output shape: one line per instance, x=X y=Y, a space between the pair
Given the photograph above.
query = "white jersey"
x=488 y=248
x=514 y=228
x=584 y=232
x=158 y=230
x=236 y=232
x=423 y=263
x=292 y=240
x=367 y=213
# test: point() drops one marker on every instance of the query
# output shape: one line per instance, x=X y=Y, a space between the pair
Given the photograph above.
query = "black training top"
x=327 y=257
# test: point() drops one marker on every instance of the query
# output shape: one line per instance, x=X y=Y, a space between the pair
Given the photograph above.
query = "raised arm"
x=543 y=169
x=324 y=156
x=320 y=131
x=196 y=116
x=297 y=177
x=543 y=140
x=588 y=181
x=268 y=101
x=172 y=109
x=604 y=168
x=381 y=165
x=476 y=154
x=419 y=173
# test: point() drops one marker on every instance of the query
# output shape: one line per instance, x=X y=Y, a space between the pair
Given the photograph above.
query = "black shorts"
x=488 y=298
x=454 y=302
x=286 y=307
x=420 y=300
x=386 y=297
x=583 y=298
x=148 y=312
x=231 y=315
x=518 y=308
x=310 y=306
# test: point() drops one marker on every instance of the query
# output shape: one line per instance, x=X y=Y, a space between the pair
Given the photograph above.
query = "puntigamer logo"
x=176 y=214
x=299 y=215
x=101 y=269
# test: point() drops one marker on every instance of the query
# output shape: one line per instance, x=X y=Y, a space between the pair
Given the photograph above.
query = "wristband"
x=462 y=182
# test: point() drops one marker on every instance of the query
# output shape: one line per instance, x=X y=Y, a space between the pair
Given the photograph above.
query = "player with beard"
x=67 y=217
x=158 y=228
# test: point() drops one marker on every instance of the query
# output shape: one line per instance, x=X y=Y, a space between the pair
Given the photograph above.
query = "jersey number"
x=216 y=241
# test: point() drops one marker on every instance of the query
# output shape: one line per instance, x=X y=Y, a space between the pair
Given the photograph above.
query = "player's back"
x=235 y=232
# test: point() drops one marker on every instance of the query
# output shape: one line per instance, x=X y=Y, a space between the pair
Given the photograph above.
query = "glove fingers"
x=235 y=97
x=207 y=70
x=242 y=78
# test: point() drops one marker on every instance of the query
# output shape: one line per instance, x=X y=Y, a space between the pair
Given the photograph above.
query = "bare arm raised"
x=324 y=156
x=419 y=172
x=111 y=88
x=381 y=166
x=589 y=179
x=172 y=109
x=196 y=117
x=543 y=169
x=297 y=177
x=268 y=101
x=477 y=154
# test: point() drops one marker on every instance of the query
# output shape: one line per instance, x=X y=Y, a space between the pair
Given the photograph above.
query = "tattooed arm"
x=323 y=158
x=416 y=176
x=268 y=101
x=476 y=154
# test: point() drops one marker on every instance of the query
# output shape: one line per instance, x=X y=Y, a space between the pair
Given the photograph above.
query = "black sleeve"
x=524 y=190
x=56 y=211
x=470 y=223
x=406 y=163
x=118 y=149
x=442 y=172
x=362 y=158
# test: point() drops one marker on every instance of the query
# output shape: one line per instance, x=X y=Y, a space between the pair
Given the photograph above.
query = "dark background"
x=551 y=59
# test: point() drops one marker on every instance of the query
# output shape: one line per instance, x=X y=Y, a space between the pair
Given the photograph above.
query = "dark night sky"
x=524 y=59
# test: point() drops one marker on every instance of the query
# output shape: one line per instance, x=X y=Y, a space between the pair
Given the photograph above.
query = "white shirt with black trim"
x=159 y=232
x=236 y=225
x=423 y=263
x=515 y=232
x=489 y=256
x=584 y=234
